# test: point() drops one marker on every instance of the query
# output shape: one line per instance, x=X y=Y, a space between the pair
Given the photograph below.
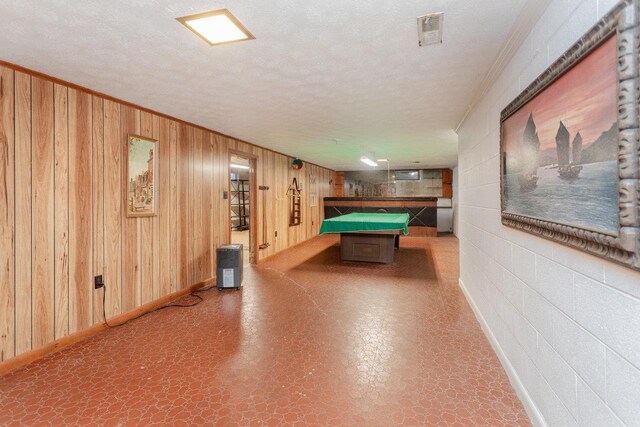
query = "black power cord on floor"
x=162 y=307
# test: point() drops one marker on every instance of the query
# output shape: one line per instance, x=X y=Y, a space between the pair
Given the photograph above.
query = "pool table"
x=369 y=237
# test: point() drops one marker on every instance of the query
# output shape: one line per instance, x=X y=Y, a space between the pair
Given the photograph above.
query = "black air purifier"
x=229 y=267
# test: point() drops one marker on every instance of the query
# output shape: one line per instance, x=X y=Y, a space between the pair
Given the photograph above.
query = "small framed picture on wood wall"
x=142 y=176
x=313 y=191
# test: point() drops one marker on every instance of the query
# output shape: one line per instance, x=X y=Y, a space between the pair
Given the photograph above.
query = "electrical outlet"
x=97 y=282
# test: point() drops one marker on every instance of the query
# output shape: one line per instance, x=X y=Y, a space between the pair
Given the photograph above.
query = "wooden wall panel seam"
x=81 y=218
x=130 y=124
x=156 y=285
x=61 y=211
x=97 y=204
x=22 y=311
x=145 y=231
x=173 y=198
x=7 y=214
x=113 y=208
x=42 y=195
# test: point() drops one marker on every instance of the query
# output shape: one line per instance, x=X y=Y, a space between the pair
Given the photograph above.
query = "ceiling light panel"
x=216 y=27
x=368 y=161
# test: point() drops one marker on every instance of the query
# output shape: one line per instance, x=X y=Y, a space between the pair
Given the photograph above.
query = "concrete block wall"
x=454 y=200
x=565 y=324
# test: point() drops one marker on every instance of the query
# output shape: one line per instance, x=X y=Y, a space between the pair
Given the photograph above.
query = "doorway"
x=241 y=196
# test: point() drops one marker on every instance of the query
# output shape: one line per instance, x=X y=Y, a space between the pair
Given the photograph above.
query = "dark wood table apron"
x=376 y=246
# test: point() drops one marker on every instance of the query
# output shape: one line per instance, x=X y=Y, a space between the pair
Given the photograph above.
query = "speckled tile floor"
x=308 y=341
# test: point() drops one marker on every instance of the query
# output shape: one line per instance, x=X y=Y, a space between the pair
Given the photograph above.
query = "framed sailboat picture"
x=570 y=168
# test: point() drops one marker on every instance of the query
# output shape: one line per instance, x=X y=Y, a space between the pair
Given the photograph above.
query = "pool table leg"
x=396 y=243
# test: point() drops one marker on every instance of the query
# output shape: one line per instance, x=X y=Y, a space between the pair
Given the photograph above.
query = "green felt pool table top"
x=366 y=222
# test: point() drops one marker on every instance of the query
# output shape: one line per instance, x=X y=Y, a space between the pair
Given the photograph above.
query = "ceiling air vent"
x=430 y=29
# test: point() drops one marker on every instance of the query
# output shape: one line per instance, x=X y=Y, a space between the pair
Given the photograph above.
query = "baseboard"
x=59 y=344
x=261 y=260
x=422 y=232
x=529 y=405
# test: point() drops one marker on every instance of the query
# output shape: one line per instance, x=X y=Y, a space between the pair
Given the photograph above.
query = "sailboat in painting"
x=568 y=168
x=530 y=150
x=563 y=168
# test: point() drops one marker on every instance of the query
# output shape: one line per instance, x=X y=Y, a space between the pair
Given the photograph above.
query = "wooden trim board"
x=261 y=260
x=82 y=335
x=422 y=232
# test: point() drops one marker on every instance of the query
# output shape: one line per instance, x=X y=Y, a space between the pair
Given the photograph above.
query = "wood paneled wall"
x=62 y=216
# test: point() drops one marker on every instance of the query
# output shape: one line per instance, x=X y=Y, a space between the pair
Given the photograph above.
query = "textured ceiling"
x=318 y=71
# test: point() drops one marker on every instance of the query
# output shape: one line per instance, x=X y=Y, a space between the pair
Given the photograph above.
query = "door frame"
x=253 y=201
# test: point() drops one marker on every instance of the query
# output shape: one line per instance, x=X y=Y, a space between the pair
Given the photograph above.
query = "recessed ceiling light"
x=382 y=160
x=216 y=27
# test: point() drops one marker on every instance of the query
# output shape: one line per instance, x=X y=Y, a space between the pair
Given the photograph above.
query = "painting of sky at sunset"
x=560 y=148
x=584 y=99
